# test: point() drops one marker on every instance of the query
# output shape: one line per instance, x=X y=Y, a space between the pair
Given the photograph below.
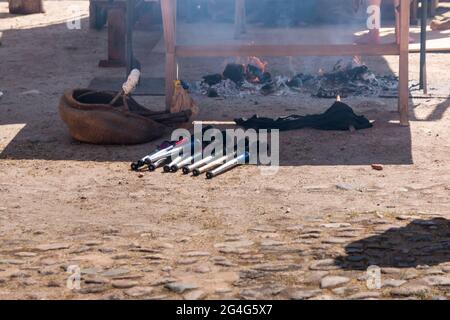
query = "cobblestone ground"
x=309 y=232
x=128 y=245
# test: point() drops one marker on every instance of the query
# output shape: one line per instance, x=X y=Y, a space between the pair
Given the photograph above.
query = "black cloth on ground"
x=338 y=117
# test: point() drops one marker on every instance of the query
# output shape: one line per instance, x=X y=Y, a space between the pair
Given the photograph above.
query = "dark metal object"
x=423 y=47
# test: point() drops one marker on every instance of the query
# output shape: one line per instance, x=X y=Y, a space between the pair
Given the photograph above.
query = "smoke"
x=275 y=22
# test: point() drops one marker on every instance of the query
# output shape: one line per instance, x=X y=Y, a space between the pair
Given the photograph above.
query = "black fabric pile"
x=338 y=117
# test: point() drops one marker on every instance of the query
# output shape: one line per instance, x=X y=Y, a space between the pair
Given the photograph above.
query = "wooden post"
x=403 y=85
x=25 y=6
x=239 y=18
x=129 y=36
x=116 y=39
x=168 y=18
x=423 y=47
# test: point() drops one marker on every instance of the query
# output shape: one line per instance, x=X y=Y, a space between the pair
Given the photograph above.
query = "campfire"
x=252 y=78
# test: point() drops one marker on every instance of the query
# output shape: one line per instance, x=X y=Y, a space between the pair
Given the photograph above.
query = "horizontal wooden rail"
x=285 y=50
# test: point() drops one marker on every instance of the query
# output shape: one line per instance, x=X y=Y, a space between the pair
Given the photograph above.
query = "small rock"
x=365 y=295
x=121 y=256
x=439 y=298
x=19 y=274
x=52 y=246
x=138 y=291
x=12 y=261
x=187 y=261
x=155 y=256
x=434 y=272
x=276 y=267
x=346 y=186
x=53 y=284
x=234 y=244
x=196 y=254
x=90 y=271
x=48 y=271
x=93 y=289
x=314 y=277
x=336 y=225
x=180 y=287
x=376 y=166
x=411 y=290
x=324 y=265
x=299 y=293
x=332 y=240
x=163 y=281
x=96 y=280
x=27 y=282
x=115 y=272
x=392 y=283
x=437 y=281
x=390 y=270
x=25 y=254
x=343 y=291
x=124 y=284
x=333 y=281
x=195 y=295
x=202 y=269
x=272 y=243
x=80 y=249
x=223 y=290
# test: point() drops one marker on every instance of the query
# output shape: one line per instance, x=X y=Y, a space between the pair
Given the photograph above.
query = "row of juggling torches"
x=170 y=157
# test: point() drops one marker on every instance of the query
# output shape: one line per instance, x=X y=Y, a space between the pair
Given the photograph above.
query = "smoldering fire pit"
x=345 y=79
x=264 y=43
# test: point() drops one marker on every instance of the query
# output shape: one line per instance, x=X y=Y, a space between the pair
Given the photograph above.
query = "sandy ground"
x=310 y=231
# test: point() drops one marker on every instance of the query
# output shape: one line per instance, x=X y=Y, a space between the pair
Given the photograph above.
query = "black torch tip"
x=185 y=170
x=209 y=175
x=166 y=168
x=196 y=173
x=136 y=165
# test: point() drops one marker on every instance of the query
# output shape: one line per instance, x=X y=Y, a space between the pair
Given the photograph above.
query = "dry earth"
x=310 y=231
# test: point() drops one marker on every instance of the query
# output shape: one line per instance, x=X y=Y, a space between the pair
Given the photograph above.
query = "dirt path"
x=310 y=231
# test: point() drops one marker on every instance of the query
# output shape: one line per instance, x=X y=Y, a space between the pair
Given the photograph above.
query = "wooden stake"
x=403 y=84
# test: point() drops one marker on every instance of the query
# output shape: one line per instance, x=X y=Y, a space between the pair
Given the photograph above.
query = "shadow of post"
x=421 y=242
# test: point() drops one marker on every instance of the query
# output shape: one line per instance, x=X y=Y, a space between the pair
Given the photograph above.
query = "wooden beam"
x=403 y=84
x=284 y=50
x=168 y=17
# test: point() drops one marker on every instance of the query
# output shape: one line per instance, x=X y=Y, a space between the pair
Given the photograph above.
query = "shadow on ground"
x=421 y=242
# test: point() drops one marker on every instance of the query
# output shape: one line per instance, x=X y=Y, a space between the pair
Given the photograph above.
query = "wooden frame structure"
x=401 y=49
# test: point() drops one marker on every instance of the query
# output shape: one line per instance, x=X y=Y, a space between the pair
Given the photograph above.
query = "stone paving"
x=315 y=259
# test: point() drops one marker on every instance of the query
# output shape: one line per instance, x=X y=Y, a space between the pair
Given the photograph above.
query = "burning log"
x=235 y=72
x=212 y=79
